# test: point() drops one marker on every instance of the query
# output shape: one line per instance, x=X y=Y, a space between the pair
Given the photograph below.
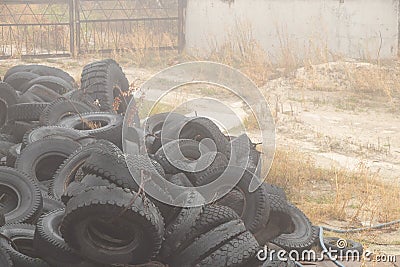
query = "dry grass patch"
x=358 y=197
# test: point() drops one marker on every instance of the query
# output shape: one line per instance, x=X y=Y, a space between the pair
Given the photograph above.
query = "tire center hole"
x=47 y=166
x=8 y=199
x=25 y=246
x=116 y=235
x=90 y=125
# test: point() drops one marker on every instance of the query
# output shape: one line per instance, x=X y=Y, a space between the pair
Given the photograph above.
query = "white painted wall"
x=355 y=28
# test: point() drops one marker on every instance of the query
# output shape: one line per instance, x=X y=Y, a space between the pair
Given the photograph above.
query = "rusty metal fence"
x=52 y=28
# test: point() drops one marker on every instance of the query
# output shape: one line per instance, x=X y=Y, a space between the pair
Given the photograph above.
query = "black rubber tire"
x=104 y=81
x=245 y=155
x=18 y=129
x=18 y=79
x=189 y=149
x=111 y=165
x=211 y=217
x=67 y=172
x=15 y=69
x=12 y=155
x=241 y=145
x=56 y=84
x=25 y=191
x=8 y=94
x=110 y=203
x=302 y=236
x=207 y=243
x=72 y=190
x=275 y=190
x=41 y=159
x=28 y=97
x=43 y=92
x=220 y=160
x=181 y=224
x=153 y=126
x=92 y=180
x=179 y=179
x=234 y=200
x=55 y=132
x=41 y=70
x=8 y=97
x=22 y=237
x=5 y=259
x=26 y=111
x=200 y=127
x=63 y=108
x=2 y=218
x=279 y=219
x=155 y=122
x=331 y=244
x=7 y=138
x=50 y=204
x=111 y=125
x=80 y=95
x=256 y=207
x=237 y=252
x=3 y=113
x=49 y=243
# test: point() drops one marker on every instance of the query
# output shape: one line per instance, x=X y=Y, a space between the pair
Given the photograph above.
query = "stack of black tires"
x=69 y=196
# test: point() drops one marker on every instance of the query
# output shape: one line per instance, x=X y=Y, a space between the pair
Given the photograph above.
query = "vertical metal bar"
x=71 y=27
x=182 y=4
x=77 y=7
x=398 y=34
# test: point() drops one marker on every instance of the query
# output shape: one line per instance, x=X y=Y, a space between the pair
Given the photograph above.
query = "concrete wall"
x=354 y=28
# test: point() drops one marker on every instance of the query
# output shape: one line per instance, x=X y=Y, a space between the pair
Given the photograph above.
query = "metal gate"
x=36 y=28
x=52 y=28
x=104 y=26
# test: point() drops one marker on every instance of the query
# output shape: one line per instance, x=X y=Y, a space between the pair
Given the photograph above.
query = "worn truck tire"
x=61 y=109
x=279 y=219
x=109 y=126
x=256 y=208
x=22 y=252
x=26 y=111
x=71 y=167
x=44 y=93
x=301 y=236
x=105 y=81
x=41 y=159
x=55 y=132
x=8 y=94
x=134 y=223
x=18 y=79
x=238 y=252
x=207 y=243
x=49 y=243
x=22 y=201
x=56 y=84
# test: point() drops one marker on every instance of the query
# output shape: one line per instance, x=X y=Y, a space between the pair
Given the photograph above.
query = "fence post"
x=182 y=4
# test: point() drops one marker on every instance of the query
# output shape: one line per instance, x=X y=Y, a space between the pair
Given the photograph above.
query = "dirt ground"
x=337 y=127
x=340 y=129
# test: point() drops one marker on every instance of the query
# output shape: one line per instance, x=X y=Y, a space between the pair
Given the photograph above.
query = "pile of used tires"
x=67 y=196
